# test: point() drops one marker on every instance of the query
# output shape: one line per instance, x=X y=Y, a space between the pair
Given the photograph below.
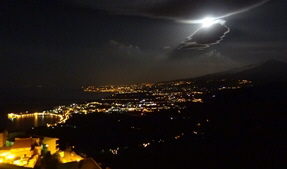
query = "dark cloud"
x=166 y=47
x=125 y=49
x=181 y=11
x=196 y=9
x=173 y=9
x=196 y=64
x=214 y=61
x=122 y=45
x=215 y=58
x=205 y=37
x=192 y=45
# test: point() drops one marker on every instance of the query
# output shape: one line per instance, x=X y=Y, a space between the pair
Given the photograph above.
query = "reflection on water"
x=25 y=122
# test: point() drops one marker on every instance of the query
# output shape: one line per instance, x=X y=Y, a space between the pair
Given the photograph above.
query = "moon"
x=207 y=22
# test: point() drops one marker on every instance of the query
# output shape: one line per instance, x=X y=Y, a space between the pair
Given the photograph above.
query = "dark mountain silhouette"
x=268 y=71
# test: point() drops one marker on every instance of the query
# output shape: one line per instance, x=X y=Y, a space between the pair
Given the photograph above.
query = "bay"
x=37 y=99
x=28 y=122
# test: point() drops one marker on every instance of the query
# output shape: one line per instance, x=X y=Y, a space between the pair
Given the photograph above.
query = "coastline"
x=35 y=99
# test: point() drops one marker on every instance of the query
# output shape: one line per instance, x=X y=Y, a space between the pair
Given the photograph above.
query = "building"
x=69 y=155
x=50 y=144
x=26 y=147
x=87 y=163
x=3 y=136
x=24 y=152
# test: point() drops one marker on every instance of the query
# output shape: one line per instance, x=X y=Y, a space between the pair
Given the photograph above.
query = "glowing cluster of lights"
x=19 y=115
x=146 y=144
x=10 y=158
x=6 y=157
x=63 y=118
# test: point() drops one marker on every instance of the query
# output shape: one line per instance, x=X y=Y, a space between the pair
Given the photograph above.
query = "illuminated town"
x=139 y=99
x=136 y=100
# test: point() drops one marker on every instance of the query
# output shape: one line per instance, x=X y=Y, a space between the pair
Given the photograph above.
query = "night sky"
x=96 y=42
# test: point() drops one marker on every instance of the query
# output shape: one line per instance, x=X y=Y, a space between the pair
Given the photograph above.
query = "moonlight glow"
x=207 y=22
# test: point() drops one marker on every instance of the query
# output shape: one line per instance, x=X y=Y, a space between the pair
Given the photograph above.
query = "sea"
x=37 y=99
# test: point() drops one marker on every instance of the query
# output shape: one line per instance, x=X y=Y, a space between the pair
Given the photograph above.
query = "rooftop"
x=23 y=143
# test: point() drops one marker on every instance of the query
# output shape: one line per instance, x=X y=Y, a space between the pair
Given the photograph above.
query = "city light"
x=11 y=156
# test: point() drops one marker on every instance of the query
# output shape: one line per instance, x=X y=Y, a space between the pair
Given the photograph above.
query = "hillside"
x=268 y=71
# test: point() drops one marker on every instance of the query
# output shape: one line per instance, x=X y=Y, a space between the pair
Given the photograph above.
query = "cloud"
x=124 y=49
x=173 y=9
x=166 y=47
x=214 y=61
x=201 y=63
x=122 y=45
x=183 y=11
x=197 y=9
x=204 y=37
x=215 y=58
x=192 y=45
